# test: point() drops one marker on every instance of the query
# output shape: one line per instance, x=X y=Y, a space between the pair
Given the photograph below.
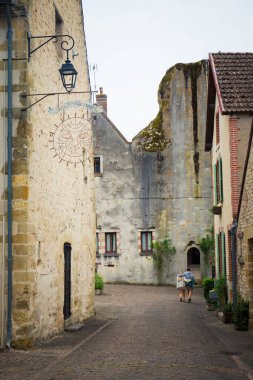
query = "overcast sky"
x=134 y=42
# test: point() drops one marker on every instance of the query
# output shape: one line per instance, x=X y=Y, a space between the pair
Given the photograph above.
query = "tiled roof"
x=234 y=74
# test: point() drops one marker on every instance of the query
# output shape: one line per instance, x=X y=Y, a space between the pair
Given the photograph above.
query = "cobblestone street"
x=139 y=332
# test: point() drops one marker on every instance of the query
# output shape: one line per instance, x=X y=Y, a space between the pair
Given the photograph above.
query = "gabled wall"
x=163 y=177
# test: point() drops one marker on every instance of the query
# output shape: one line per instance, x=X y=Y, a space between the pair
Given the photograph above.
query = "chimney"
x=101 y=99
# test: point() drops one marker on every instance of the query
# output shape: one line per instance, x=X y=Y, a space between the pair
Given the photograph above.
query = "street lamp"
x=68 y=75
x=67 y=71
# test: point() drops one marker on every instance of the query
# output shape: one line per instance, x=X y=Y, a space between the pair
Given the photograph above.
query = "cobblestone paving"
x=139 y=333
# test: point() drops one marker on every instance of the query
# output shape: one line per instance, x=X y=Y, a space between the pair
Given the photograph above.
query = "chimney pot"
x=101 y=99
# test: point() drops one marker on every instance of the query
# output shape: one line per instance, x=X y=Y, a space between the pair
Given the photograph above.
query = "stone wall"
x=53 y=198
x=245 y=244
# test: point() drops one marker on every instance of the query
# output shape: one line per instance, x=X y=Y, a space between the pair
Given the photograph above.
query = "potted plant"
x=99 y=284
x=241 y=314
x=220 y=286
x=228 y=313
x=211 y=305
x=208 y=284
x=216 y=210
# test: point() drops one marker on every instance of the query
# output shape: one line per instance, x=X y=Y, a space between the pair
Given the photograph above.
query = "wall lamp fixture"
x=67 y=71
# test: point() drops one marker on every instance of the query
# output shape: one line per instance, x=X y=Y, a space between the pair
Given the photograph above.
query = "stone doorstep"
x=74 y=328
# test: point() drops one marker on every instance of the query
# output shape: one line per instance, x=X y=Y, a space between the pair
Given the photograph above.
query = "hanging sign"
x=76 y=104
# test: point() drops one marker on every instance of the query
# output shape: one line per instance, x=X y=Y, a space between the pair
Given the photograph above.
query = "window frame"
x=146 y=251
x=110 y=251
x=58 y=31
x=100 y=172
x=97 y=244
x=217 y=127
x=218 y=182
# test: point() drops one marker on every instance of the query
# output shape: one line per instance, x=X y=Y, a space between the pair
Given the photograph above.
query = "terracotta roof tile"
x=234 y=72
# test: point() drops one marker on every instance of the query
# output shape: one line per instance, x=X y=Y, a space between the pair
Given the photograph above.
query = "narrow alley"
x=139 y=333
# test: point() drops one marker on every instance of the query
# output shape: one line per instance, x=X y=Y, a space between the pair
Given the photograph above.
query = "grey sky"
x=134 y=42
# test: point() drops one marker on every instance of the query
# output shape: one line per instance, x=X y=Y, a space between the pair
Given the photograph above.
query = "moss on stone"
x=152 y=138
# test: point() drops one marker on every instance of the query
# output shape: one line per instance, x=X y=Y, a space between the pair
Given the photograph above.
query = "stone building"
x=156 y=187
x=49 y=282
x=229 y=115
x=244 y=257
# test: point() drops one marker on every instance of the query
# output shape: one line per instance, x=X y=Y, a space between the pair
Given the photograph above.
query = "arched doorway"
x=193 y=261
x=193 y=256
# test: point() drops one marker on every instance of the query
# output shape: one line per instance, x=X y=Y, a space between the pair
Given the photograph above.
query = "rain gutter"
x=9 y=152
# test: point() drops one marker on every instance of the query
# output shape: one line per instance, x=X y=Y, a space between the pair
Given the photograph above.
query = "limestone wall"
x=53 y=198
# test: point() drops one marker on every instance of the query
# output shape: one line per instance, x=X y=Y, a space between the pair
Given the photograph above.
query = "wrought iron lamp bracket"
x=55 y=39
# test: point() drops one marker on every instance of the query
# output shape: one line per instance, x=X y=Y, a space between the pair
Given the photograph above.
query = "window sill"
x=98 y=174
x=111 y=255
x=146 y=253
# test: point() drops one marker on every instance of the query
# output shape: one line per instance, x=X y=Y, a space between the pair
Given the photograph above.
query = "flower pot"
x=227 y=316
x=216 y=210
x=210 y=307
x=98 y=292
x=242 y=325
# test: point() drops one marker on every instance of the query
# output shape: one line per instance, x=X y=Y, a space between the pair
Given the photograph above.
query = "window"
x=218 y=182
x=58 y=31
x=110 y=243
x=217 y=128
x=146 y=243
x=97 y=244
x=221 y=254
x=98 y=165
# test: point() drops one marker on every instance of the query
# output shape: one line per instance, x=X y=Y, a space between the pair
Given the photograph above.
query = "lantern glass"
x=68 y=75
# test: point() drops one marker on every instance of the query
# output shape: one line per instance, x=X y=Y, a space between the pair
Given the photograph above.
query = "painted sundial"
x=72 y=139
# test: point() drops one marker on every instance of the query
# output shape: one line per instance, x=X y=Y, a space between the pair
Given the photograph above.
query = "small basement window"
x=98 y=165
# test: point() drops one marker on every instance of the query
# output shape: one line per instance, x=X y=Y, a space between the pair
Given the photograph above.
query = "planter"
x=227 y=317
x=242 y=325
x=216 y=210
x=210 y=307
x=98 y=292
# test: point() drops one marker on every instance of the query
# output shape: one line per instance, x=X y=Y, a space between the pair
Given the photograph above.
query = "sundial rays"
x=72 y=138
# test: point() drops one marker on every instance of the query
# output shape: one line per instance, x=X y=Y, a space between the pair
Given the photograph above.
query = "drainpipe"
x=233 y=231
x=9 y=150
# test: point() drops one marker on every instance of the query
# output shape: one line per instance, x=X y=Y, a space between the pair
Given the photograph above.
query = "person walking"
x=189 y=283
x=181 y=286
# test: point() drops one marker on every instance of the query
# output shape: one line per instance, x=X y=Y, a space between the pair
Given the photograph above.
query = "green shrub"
x=228 y=307
x=220 y=286
x=162 y=252
x=241 y=313
x=207 y=244
x=99 y=282
x=208 y=284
